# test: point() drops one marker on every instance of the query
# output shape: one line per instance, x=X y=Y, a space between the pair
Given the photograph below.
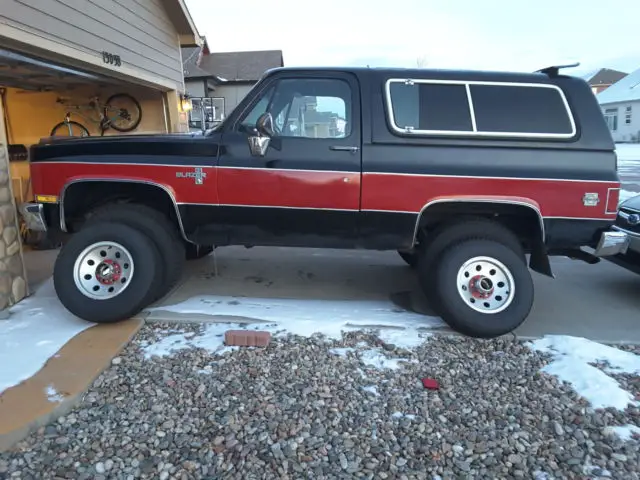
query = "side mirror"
x=259 y=140
x=264 y=124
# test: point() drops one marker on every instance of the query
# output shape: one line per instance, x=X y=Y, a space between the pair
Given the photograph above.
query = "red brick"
x=246 y=338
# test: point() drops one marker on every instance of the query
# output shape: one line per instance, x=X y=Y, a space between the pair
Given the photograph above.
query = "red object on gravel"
x=430 y=384
x=246 y=338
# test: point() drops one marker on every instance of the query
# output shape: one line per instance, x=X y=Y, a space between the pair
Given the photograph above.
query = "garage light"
x=185 y=103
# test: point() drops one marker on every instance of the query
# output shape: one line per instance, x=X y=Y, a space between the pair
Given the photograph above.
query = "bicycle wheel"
x=68 y=129
x=120 y=117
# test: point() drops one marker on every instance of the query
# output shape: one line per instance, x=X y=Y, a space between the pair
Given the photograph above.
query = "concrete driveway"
x=599 y=302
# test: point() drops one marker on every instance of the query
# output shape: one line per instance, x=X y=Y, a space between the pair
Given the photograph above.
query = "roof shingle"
x=605 y=76
x=231 y=66
x=625 y=90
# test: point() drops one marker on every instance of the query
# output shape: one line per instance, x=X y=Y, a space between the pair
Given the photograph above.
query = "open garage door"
x=41 y=98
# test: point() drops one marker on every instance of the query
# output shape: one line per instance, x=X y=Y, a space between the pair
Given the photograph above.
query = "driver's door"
x=306 y=188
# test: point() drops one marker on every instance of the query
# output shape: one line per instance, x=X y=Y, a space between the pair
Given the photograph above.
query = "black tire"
x=63 y=125
x=145 y=280
x=156 y=226
x=458 y=313
x=196 y=252
x=437 y=242
x=411 y=259
x=138 y=107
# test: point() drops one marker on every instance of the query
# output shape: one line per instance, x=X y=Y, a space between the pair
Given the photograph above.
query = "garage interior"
x=29 y=89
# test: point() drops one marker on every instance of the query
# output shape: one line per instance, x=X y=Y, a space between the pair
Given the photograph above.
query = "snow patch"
x=211 y=339
x=625 y=432
x=375 y=358
x=400 y=338
x=410 y=416
x=371 y=389
x=341 y=352
x=39 y=326
x=540 y=475
x=309 y=317
x=572 y=357
x=53 y=395
x=594 y=470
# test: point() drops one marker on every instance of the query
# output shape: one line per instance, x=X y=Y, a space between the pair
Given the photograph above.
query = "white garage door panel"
x=93 y=28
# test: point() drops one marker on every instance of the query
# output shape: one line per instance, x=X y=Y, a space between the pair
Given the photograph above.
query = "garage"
x=71 y=67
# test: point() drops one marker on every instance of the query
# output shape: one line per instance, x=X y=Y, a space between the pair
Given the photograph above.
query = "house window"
x=611 y=117
x=627 y=115
x=495 y=109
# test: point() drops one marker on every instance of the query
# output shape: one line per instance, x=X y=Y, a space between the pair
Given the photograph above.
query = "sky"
x=475 y=34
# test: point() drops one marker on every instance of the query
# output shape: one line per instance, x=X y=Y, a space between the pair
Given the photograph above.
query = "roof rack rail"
x=553 y=70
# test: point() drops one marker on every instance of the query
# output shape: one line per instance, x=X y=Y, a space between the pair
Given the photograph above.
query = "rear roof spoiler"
x=553 y=70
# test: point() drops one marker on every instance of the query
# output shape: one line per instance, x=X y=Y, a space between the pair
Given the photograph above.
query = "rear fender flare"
x=539 y=259
x=504 y=200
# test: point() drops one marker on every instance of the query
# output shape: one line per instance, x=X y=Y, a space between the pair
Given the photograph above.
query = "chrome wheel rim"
x=103 y=270
x=486 y=285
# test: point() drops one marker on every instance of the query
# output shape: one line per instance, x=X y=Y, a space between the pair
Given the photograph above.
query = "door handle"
x=344 y=148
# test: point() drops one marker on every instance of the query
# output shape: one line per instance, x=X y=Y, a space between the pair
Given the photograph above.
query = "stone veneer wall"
x=13 y=278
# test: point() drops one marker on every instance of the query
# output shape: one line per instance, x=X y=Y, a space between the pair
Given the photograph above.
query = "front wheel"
x=484 y=288
x=106 y=272
x=70 y=129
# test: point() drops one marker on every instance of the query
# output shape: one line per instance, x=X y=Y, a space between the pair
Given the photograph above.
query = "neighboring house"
x=218 y=81
x=601 y=79
x=620 y=105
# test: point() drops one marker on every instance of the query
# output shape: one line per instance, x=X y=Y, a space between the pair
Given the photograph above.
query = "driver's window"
x=314 y=108
x=307 y=108
x=249 y=121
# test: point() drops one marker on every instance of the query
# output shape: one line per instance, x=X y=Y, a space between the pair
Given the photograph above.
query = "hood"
x=132 y=137
x=632 y=203
x=114 y=148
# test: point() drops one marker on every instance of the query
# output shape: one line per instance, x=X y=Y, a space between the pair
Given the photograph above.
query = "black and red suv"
x=473 y=177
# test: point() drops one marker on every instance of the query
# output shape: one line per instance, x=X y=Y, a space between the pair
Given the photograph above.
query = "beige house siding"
x=139 y=31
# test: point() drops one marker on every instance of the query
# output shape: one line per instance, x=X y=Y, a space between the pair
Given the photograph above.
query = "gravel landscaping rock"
x=298 y=409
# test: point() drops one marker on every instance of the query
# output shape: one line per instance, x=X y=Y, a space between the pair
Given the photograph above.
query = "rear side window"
x=434 y=107
x=494 y=109
x=516 y=109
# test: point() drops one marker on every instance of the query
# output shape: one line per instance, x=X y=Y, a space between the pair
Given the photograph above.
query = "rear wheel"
x=485 y=289
x=433 y=246
x=123 y=112
x=107 y=273
x=156 y=226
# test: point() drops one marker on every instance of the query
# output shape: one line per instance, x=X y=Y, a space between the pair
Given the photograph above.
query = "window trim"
x=611 y=113
x=475 y=133
x=628 y=115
